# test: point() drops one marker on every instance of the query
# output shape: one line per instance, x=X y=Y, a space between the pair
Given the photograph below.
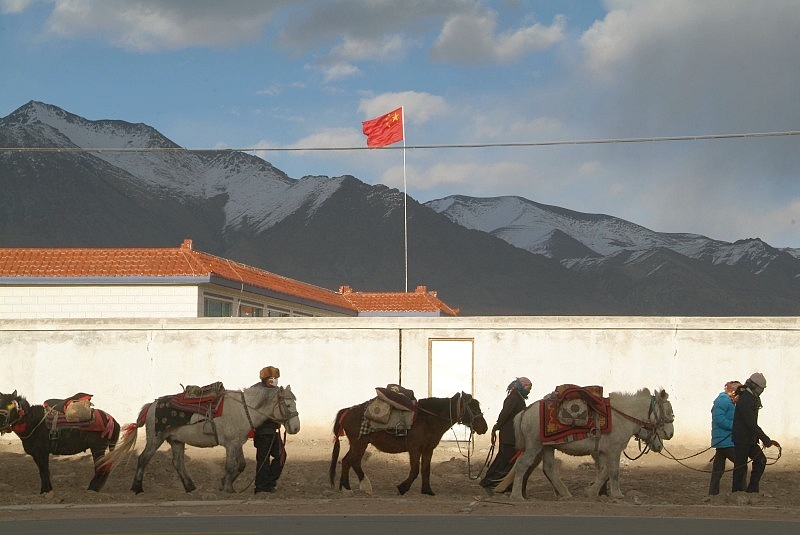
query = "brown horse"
x=434 y=417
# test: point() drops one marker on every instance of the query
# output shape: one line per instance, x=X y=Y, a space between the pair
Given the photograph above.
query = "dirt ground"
x=654 y=485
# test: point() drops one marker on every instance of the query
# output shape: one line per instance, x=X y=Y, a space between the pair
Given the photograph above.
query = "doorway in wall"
x=450 y=370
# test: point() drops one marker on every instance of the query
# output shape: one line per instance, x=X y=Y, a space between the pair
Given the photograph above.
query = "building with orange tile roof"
x=176 y=282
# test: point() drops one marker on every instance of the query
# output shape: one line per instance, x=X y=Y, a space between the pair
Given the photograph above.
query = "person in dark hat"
x=516 y=394
x=747 y=433
x=270 y=452
x=721 y=432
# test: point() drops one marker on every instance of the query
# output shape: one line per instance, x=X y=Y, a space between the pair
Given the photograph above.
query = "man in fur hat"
x=270 y=453
x=747 y=433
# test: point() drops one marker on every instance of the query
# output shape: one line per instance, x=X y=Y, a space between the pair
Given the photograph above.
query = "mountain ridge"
x=489 y=256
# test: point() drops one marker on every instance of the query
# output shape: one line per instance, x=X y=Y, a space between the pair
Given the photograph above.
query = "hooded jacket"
x=745 y=420
x=722 y=421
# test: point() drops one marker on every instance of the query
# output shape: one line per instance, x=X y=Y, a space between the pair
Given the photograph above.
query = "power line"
x=607 y=141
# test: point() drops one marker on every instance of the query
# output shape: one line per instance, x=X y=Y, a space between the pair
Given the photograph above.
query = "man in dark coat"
x=270 y=453
x=747 y=433
x=516 y=394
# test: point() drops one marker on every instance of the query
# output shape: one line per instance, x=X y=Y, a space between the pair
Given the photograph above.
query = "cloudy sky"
x=289 y=74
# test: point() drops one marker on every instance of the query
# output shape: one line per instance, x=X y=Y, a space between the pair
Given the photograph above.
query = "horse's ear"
x=14 y=394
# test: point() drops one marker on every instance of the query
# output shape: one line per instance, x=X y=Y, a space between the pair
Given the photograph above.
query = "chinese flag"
x=384 y=130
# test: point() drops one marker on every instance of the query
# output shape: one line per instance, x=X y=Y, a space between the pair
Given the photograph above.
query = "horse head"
x=664 y=417
x=471 y=414
x=660 y=420
x=287 y=410
x=10 y=405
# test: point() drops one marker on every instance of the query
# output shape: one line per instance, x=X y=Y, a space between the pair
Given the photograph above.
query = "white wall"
x=337 y=362
x=96 y=301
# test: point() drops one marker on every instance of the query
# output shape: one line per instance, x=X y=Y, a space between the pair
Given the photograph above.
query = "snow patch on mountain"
x=531 y=226
x=257 y=193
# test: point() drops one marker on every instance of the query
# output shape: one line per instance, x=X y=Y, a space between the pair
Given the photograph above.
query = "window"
x=216 y=308
x=250 y=311
x=275 y=312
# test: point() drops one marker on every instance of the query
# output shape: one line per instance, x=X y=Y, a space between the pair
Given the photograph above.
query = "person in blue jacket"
x=722 y=412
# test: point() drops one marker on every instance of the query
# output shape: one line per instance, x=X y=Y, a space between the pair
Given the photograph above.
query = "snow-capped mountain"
x=499 y=256
x=543 y=229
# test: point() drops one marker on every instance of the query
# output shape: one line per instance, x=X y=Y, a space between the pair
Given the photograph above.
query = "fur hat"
x=759 y=379
x=269 y=371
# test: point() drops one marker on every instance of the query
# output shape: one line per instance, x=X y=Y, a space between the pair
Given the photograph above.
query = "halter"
x=649 y=428
x=465 y=414
x=6 y=415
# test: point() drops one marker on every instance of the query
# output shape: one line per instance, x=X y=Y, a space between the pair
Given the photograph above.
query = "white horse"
x=242 y=410
x=648 y=417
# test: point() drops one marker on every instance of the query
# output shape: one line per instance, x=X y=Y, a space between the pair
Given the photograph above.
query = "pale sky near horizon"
x=304 y=74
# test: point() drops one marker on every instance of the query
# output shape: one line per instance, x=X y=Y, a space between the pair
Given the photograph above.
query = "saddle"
x=76 y=408
x=194 y=404
x=76 y=412
x=573 y=412
x=393 y=410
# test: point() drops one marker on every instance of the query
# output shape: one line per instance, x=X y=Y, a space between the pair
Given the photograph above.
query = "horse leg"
x=179 y=462
x=356 y=456
x=551 y=473
x=100 y=474
x=42 y=460
x=600 y=484
x=426 y=473
x=413 y=472
x=344 y=477
x=526 y=462
x=612 y=465
x=234 y=465
x=153 y=443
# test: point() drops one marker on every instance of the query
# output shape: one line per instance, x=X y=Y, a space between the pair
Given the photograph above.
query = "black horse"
x=44 y=431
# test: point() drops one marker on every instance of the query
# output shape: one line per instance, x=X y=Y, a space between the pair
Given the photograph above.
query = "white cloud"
x=153 y=25
x=473 y=39
x=15 y=6
x=418 y=107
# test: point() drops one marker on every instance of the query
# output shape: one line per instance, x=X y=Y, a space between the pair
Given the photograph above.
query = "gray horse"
x=648 y=417
x=242 y=410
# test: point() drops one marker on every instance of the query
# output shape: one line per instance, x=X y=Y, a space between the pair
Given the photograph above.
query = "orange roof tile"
x=184 y=262
x=421 y=300
x=154 y=263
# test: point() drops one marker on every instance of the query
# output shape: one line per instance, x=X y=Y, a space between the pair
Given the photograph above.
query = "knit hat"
x=759 y=379
x=269 y=371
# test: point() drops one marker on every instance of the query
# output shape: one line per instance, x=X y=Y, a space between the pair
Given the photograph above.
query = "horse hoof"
x=428 y=492
x=401 y=489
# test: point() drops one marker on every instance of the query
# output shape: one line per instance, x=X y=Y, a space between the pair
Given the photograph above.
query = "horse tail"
x=125 y=444
x=338 y=430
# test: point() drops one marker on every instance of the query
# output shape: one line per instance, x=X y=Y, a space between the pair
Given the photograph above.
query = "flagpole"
x=405 y=199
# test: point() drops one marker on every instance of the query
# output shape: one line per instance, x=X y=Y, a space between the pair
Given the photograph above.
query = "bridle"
x=464 y=411
x=5 y=414
x=653 y=427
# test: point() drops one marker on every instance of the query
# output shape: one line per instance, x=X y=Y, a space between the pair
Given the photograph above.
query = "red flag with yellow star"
x=384 y=130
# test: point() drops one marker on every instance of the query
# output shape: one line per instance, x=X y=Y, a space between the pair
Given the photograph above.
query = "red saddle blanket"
x=99 y=422
x=555 y=431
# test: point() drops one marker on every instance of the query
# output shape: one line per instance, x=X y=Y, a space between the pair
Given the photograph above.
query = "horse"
x=44 y=431
x=242 y=411
x=434 y=417
x=645 y=416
